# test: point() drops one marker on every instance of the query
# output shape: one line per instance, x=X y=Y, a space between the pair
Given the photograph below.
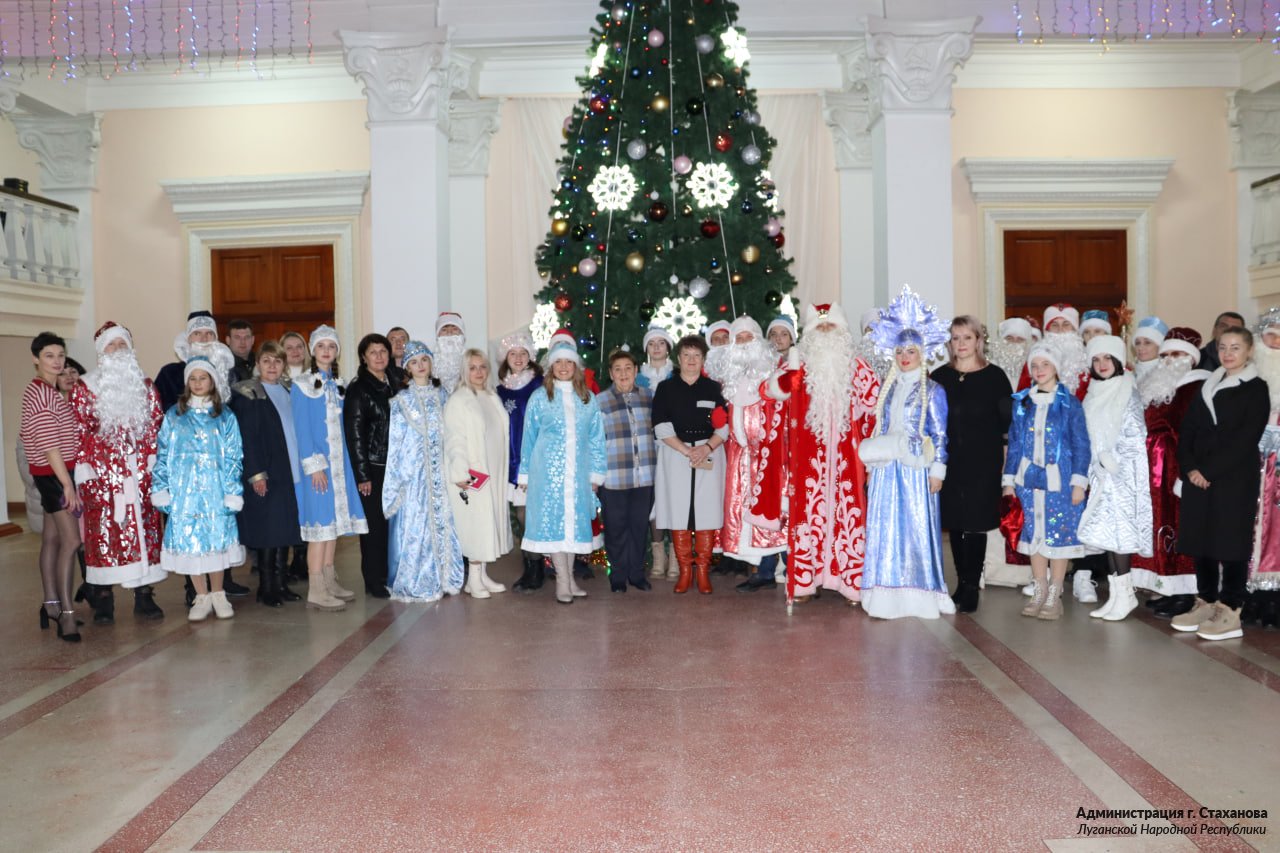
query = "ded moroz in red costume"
x=830 y=408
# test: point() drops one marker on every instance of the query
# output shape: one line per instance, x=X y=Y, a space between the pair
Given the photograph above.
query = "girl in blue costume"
x=1047 y=467
x=519 y=376
x=196 y=481
x=562 y=464
x=328 y=503
x=425 y=560
x=907 y=455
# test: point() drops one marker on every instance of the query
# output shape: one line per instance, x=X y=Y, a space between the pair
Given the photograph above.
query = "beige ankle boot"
x=332 y=586
x=673 y=567
x=1052 y=608
x=659 y=570
x=318 y=597
x=1038 y=592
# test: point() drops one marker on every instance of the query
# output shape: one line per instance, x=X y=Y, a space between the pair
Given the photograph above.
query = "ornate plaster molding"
x=406 y=76
x=472 y=124
x=1254 y=124
x=1042 y=182
x=848 y=114
x=270 y=197
x=911 y=64
x=67 y=147
x=8 y=96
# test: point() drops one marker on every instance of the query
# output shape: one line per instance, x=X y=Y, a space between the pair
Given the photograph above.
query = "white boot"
x=1029 y=589
x=221 y=607
x=486 y=581
x=1123 y=598
x=475 y=586
x=575 y=590
x=564 y=578
x=200 y=609
x=659 y=570
x=334 y=588
x=1083 y=587
x=1101 y=612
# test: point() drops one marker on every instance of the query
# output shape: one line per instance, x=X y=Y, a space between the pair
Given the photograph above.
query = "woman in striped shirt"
x=48 y=433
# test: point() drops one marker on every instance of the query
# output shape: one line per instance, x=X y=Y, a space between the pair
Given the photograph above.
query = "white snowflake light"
x=544 y=324
x=735 y=47
x=768 y=192
x=679 y=316
x=788 y=309
x=596 y=64
x=712 y=185
x=613 y=187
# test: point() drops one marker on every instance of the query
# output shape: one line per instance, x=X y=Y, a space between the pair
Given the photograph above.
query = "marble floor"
x=643 y=721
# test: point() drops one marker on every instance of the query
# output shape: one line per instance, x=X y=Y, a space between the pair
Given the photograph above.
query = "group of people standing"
x=844 y=458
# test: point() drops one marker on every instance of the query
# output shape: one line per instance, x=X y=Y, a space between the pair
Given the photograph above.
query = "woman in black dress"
x=979 y=405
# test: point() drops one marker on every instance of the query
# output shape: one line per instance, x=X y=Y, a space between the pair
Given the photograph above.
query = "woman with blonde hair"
x=979 y=406
x=562 y=463
x=475 y=449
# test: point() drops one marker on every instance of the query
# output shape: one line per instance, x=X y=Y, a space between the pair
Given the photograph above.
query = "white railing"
x=38 y=240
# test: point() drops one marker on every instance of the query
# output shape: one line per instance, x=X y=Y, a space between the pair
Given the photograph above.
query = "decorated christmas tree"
x=665 y=211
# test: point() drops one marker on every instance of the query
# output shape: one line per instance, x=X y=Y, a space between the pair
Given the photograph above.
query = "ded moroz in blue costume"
x=902 y=573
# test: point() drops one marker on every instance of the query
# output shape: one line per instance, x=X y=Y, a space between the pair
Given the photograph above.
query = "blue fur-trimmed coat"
x=1048 y=455
x=562 y=455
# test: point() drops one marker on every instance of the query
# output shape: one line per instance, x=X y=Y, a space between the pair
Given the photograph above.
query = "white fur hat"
x=1015 y=327
x=745 y=324
x=814 y=315
x=1064 y=311
x=323 y=333
x=1152 y=329
x=1106 y=345
x=869 y=319
x=1042 y=351
x=109 y=332
x=450 y=318
x=782 y=322
x=715 y=327
x=561 y=352
x=656 y=331
x=516 y=340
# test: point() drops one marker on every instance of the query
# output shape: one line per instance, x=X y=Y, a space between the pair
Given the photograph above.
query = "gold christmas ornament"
x=714 y=81
x=751 y=254
x=635 y=262
x=737 y=278
x=660 y=103
x=559 y=227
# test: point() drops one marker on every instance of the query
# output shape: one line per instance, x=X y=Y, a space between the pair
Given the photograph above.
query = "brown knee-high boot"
x=682 y=541
x=703 y=543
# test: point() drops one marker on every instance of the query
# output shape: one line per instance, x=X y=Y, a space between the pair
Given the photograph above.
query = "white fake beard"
x=121 y=391
x=828 y=364
x=448 y=359
x=1160 y=383
x=1072 y=358
x=740 y=368
x=1009 y=357
x=1267 y=362
x=866 y=350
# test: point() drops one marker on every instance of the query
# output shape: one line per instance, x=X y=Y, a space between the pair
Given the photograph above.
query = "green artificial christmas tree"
x=665 y=211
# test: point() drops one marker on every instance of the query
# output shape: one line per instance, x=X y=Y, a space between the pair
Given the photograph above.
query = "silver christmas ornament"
x=699 y=287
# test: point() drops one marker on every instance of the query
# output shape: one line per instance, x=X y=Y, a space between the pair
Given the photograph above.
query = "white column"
x=406 y=77
x=472 y=123
x=910 y=71
x=1255 y=154
x=847 y=113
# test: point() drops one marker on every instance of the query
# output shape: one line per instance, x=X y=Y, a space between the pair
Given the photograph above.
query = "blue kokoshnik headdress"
x=910 y=321
x=413 y=349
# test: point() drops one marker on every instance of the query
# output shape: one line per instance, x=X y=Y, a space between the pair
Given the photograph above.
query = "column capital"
x=848 y=114
x=911 y=64
x=1254 y=123
x=472 y=124
x=8 y=96
x=406 y=76
x=67 y=147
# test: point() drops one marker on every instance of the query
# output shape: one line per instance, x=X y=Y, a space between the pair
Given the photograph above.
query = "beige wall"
x=15 y=161
x=1193 y=265
x=139 y=265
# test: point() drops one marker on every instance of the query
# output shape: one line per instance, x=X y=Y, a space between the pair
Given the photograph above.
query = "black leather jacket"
x=366 y=421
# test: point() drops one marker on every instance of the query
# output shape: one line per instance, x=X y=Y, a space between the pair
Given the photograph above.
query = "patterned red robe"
x=121 y=529
x=826 y=488
x=1166 y=571
x=757 y=444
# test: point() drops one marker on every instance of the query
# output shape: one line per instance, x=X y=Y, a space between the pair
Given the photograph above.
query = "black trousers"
x=626 y=531
x=1235 y=574
x=373 y=545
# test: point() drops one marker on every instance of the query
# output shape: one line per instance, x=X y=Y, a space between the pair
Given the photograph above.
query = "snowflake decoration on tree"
x=613 y=187
x=712 y=185
x=788 y=309
x=544 y=324
x=602 y=52
x=735 y=47
x=768 y=192
x=679 y=316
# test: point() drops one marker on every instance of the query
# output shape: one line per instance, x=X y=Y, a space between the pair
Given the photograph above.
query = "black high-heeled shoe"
x=44 y=614
x=70 y=637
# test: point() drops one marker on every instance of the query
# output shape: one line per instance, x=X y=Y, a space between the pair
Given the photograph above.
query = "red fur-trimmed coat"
x=826 y=488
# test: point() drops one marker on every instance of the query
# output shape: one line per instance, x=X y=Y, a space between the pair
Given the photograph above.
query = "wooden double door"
x=1088 y=269
x=278 y=289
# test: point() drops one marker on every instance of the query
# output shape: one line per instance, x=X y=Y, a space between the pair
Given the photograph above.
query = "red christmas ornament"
x=597 y=105
x=724 y=309
x=710 y=229
x=779 y=239
x=563 y=302
x=657 y=211
x=723 y=142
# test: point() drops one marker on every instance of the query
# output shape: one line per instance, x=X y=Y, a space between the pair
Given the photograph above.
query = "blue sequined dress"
x=425 y=561
x=317 y=421
x=196 y=482
x=902 y=572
